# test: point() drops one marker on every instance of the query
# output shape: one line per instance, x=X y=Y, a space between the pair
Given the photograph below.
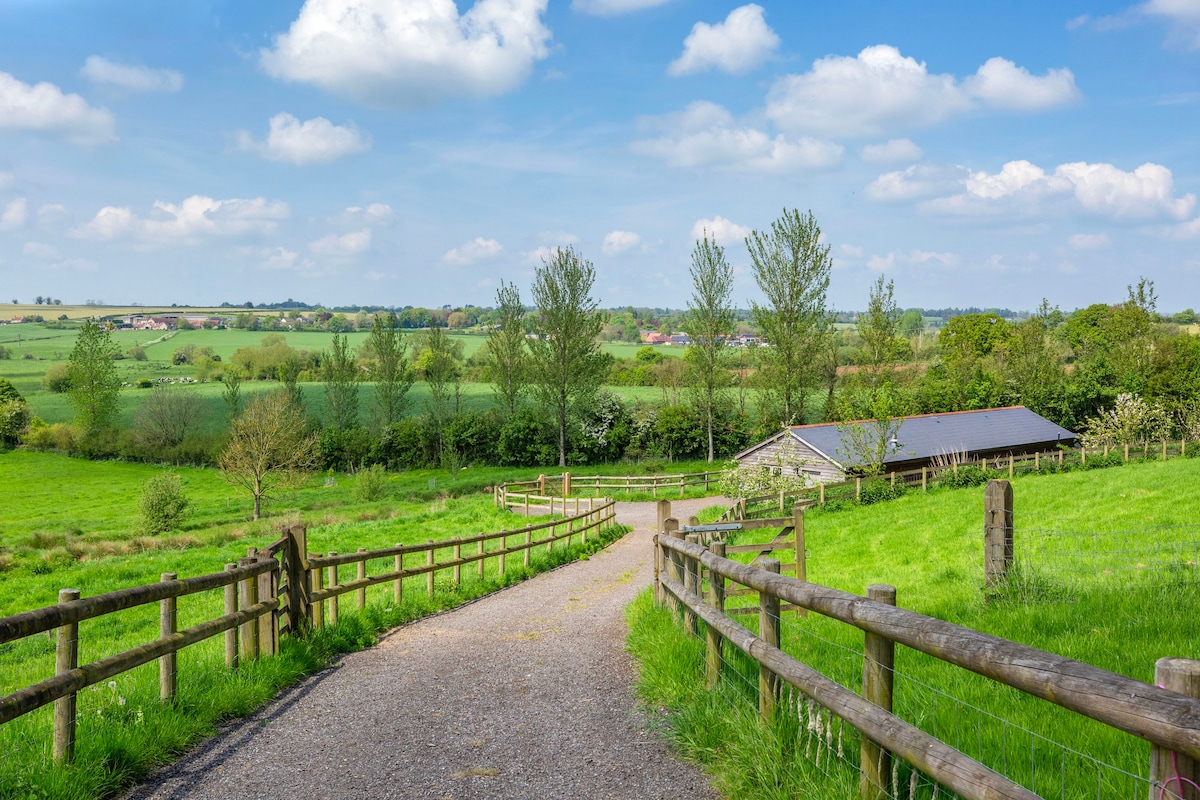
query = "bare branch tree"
x=268 y=448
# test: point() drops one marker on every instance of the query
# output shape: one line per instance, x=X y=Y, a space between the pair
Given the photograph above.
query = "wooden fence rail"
x=1169 y=720
x=527 y=502
x=566 y=484
x=278 y=589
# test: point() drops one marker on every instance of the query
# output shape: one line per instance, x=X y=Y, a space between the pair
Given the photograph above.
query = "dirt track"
x=525 y=693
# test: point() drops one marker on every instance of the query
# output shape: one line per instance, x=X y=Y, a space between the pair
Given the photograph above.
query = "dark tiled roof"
x=929 y=435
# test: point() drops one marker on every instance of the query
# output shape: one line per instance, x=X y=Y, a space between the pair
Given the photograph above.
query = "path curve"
x=525 y=693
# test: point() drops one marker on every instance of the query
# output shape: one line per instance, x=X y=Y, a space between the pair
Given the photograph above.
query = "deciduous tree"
x=94 y=385
x=710 y=321
x=565 y=357
x=508 y=366
x=389 y=369
x=268 y=448
x=877 y=329
x=339 y=372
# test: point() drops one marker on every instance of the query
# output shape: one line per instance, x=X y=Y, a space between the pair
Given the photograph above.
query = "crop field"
x=930 y=547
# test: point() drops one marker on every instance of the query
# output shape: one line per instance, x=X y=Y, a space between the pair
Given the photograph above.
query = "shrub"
x=162 y=505
x=371 y=484
x=144 y=383
x=472 y=435
x=342 y=448
x=56 y=379
x=137 y=353
x=5 y=352
x=967 y=475
x=14 y=421
x=878 y=491
x=59 y=436
x=527 y=439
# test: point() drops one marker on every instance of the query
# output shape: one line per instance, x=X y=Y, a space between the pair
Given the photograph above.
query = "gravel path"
x=525 y=693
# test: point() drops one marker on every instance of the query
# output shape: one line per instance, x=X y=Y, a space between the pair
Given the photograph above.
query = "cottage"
x=821 y=454
x=654 y=337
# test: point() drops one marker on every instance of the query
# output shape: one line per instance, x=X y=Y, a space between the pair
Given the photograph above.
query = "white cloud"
x=919 y=180
x=891 y=151
x=1145 y=193
x=15 y=214
x=851 y=250
x=477 y=249
x=40 y=250
x=607 y=8
x=540 y=255
x=1088 y=241
x=1002 y=84
x=617 y=242
x=720 y=230
x=280 y=258
x=372 y=214
x=737 y=45
x=44 y=108
x=314 y=141
x=1183 y=17
x=52 y=215
x=195 y=218
x=410 y=54
x=705 y=134
x=348 y=244
x=911 y=258
x=134 y=78
x=880 y=89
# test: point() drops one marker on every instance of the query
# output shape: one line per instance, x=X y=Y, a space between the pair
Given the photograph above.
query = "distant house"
x=17 y=320
x=820 y=453
x=680 y=339
x=654 y=337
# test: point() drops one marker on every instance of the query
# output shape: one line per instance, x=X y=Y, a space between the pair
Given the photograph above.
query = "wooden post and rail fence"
x=278 y=590
x=536 y=494
x=1167 y=715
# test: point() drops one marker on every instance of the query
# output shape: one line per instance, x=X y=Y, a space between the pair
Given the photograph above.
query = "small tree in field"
x=268 y=448
x=92 y=378
x=162 y=505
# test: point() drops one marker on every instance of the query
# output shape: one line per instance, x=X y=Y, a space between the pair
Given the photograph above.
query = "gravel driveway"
x=525 y=693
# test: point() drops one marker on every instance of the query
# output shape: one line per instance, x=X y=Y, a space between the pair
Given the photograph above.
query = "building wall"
x=793 y=457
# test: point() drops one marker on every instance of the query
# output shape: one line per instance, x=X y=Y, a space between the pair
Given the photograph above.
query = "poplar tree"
x=877 y=328
x=339 y=371
x=93 y=382
x=566 y=362
x=389 y=370
x=508 y=363
x=709 y=321
x=791 y=267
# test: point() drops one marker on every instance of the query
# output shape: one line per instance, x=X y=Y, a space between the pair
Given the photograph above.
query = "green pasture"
x=930 y=547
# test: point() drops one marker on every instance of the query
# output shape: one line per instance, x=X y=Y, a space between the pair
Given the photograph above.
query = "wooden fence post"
x=317 y=583
x=925 y=477
x=1177 y=774
x=541 y=484
x=691 y=582
x=266 y=623
x=1126 y=452
x=566 y=488
x=997 y=531
x=247 y=597
x=879 y=658
x=822 y=494
x=528 y=546
x=674 y=568
x=398 y=586
x=66 y=658
x=333 y=584
x=166 y=627
x=768 y=631
x=479 y=563
x=429 y=562
x=658 y=565
x=664 y=513
x=801 y=549
x=299 y=581
x=455 y=556
x=857 y=491
x=231 y=607
x=714 y=642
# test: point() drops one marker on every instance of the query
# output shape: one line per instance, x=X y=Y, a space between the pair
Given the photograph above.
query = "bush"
x=144 y=383
x=968 y=475
x=162 y=505
x=527 y=439
x=5 y=352
x=370 y=484
x=137 y=353
x=14 y=421
x=59 y=436
x=56 y=379
x=879 y=490
x=404 y=445
x=342 y=449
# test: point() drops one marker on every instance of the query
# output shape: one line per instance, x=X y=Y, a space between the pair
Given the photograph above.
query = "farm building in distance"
x=820 y=453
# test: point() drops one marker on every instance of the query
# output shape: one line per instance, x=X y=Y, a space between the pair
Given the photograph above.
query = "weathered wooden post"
x=658 y=565
x=1037 y=462
x=768 y=631
x=231 y=607
x=429 y=562
x=361 y=574
x=1126 y=452
x=299 y=581
x=66 y=658
x=925 y=477
x=674 y=568
x=566 y=488
x=691 y=582
x=166 y=627
x=528 y=546
x=664 y=513
x=542 y=485
x=456 y=556
x=801 y=549
x=1176 y=773
x=317 y=584
x=857 y=491
x=333 y=584
x=714 y=642
x=822 y=493
x=479 y=563
x=247 y=597
x=398 y=586
x=997 y=531
x=877 y=684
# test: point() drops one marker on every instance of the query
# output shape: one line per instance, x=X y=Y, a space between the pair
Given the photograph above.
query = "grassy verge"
x=930 y=547
x=124 y=731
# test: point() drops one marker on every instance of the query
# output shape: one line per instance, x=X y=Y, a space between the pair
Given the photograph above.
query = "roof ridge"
x=914 y=416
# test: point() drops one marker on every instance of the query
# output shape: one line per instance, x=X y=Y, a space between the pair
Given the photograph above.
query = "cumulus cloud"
x=705 y=134
x=737 y=45
x=1088 y=241
x=722 y=231
x=44 y=108
x=891 y=151
x=608 y=8
x=348 y=244
x=617 y=242
x=477 y=249
x=1182 y=16
x=540 y=255
x=410 y=54
x=280 y=258
x=880 y=90
x=196 y=218
x=918 y=180
x=130 y=77
x=314 y=141
x=52 y=215
x=911 y=258
x=14 y=215
x=1147 y=192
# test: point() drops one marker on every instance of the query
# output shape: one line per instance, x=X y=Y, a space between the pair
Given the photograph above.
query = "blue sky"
x=416 y=152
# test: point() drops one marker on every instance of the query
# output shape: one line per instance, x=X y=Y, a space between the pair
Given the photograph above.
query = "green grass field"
x=930 y=547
